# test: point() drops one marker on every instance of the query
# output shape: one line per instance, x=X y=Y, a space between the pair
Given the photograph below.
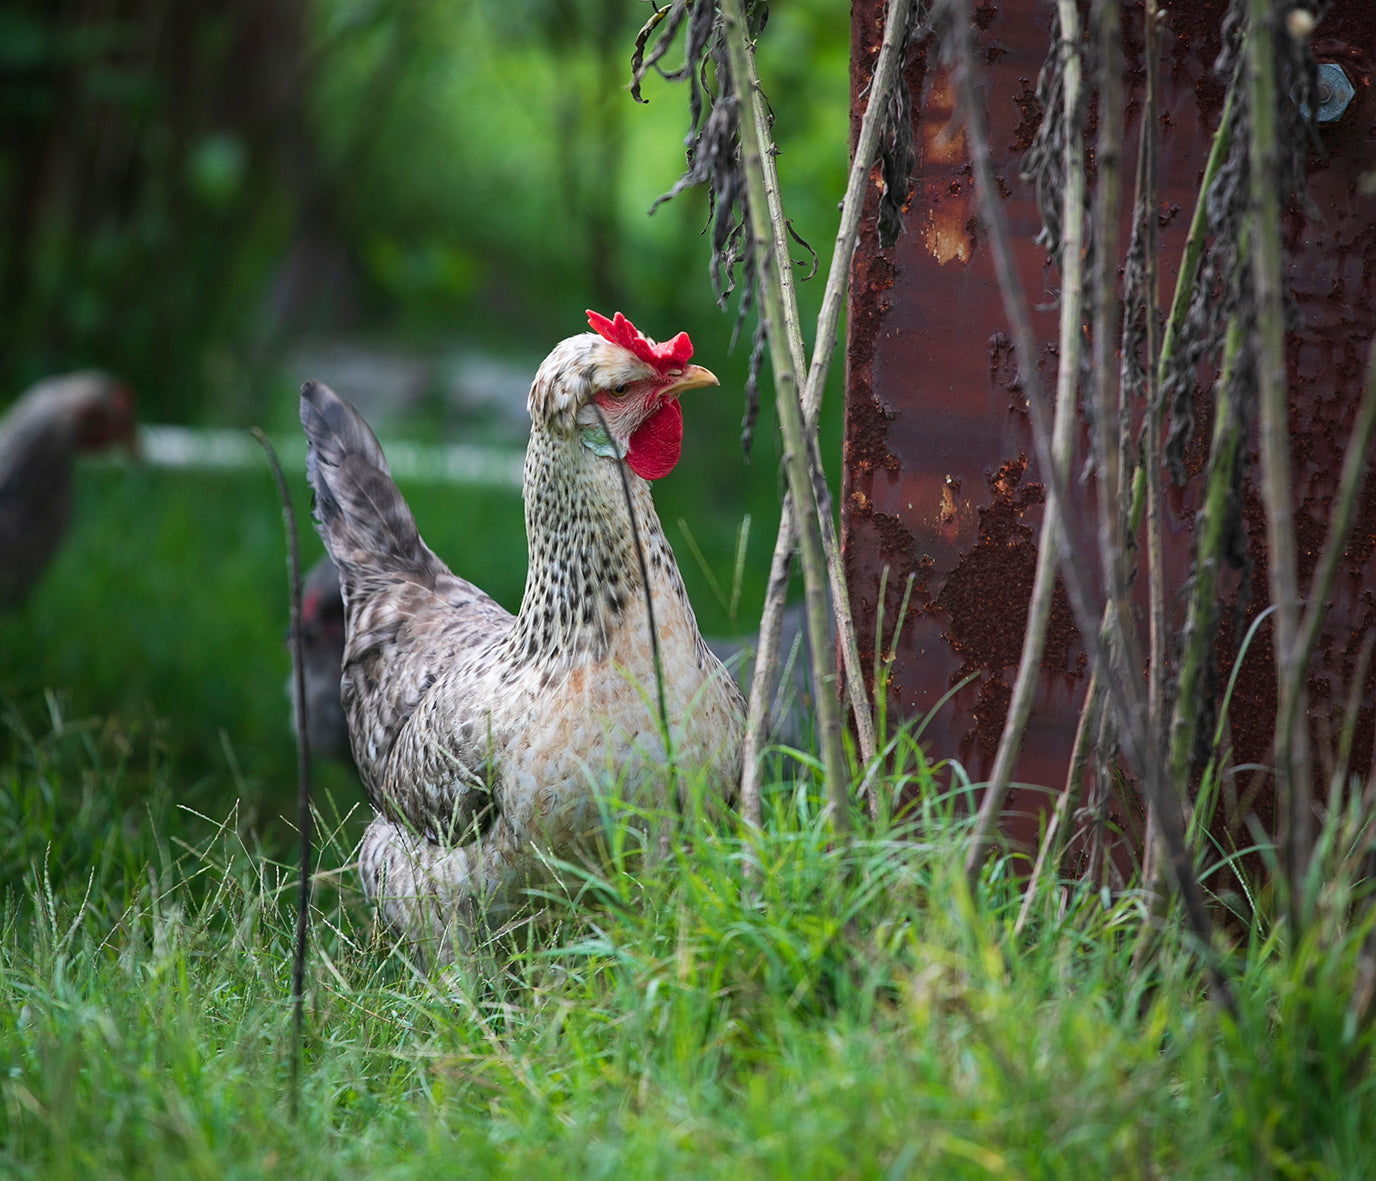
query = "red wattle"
x=654 y=447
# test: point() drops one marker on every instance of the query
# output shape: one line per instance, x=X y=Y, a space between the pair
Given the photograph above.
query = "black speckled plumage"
x=483 y=738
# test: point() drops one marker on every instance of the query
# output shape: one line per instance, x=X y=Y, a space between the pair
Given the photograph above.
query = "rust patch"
x=985 y=600
x=1003 y=371
x=897 y=549
x=985 y=597
x=866 y=445
x=1031 y=111
x=984 y=14
x=988 y=715
x=934 y=404
x=1188 y=50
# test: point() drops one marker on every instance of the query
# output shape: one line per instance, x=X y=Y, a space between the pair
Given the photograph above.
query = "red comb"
x=619 y=330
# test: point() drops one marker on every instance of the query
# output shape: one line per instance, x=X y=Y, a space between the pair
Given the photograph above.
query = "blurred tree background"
x=206 y=198
x=189 y=188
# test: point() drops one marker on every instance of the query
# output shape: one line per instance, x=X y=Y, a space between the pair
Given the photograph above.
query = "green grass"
x=848 y=1012
x=851 y=1012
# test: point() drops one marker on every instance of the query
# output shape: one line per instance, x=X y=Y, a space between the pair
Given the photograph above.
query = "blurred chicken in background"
x=40 y=436
x=322 y=655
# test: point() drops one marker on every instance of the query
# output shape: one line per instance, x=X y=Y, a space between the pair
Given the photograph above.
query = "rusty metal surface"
x=938 y=479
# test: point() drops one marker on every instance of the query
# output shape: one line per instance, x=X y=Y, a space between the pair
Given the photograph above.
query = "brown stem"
x=769 y=263
x=767 y=648
x=1146 y=204
x=303 y=769
x=1125 y=691
x=1049 y=852
x=1044 y=581
x=1292 y=769
x=665 y=732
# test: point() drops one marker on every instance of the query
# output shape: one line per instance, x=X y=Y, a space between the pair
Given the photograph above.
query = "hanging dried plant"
x=1224 y=286
x=712 y=147
x=713 y=153
x=897 y=156
x=1043 y=165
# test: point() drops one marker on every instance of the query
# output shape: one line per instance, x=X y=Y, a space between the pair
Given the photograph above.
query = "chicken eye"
x=621 y=389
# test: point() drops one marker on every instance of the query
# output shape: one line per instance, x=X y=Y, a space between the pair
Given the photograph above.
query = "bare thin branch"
x=1067 y=386
x=303 y=770
x=766 y=657
x=770 y=262
x=1291 y=750
x=1053 y=841
x=1144 y=216
x=1146 y=207
x=666 y=735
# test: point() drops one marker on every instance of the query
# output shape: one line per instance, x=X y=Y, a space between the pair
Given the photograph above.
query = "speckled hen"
x=484 y=738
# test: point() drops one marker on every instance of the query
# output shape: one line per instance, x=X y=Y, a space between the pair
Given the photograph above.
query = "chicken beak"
x=694 y=378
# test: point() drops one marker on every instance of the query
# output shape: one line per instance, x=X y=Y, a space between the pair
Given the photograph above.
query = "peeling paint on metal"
x=935 y=482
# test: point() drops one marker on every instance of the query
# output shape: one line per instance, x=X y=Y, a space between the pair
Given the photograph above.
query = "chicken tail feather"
x=359 y=512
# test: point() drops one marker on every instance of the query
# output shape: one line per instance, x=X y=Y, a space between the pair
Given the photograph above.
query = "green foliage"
x=193 y=189
x=838 y=1012
x=504 y=134
x=140 y=230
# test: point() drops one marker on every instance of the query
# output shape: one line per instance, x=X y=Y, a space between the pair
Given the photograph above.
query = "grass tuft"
x=836 y=1011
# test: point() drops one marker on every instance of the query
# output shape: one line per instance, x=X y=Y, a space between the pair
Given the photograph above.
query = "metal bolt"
x=1334 y=92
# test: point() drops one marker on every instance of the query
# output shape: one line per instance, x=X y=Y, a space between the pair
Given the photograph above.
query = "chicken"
x=39 y=438
x=322 y=652
x=322 y=656
x=484 y=740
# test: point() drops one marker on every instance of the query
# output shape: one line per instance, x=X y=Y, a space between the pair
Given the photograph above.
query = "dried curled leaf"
x=752 y=381
x=1136 y=306
x=702 y=14
x=638 y=63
